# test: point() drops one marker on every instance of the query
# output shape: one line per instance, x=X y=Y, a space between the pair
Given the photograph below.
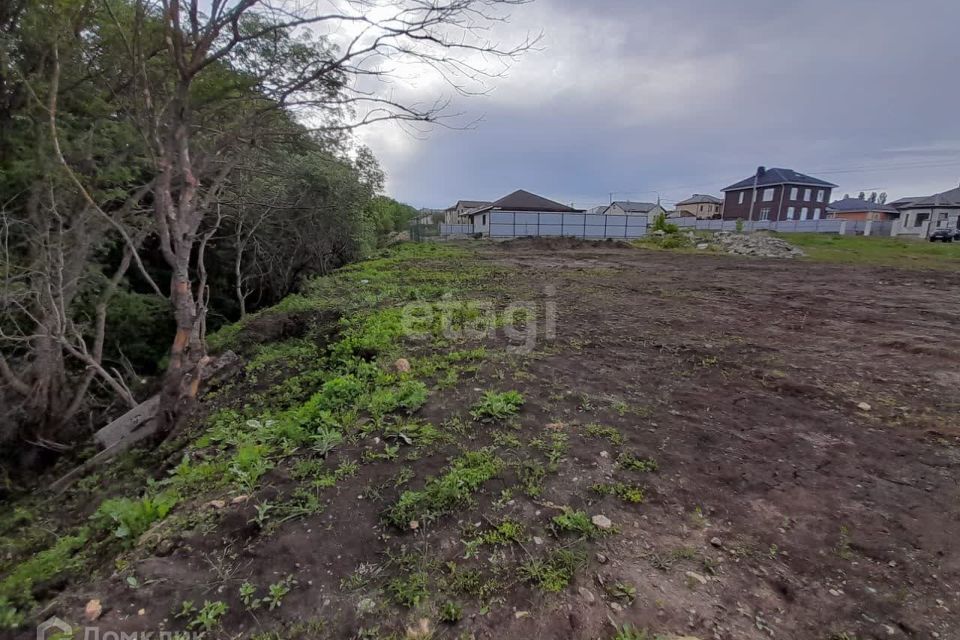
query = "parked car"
x=945 y=235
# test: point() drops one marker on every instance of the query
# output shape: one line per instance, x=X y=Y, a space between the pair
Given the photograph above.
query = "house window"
x=768 y=195
x=820 y=195
x=803 y=213
x=741 y=197
x=790 y=212
x=484 y=221
x=765 y=213
x=794 y=192
x=806 y=195
x=816 y=213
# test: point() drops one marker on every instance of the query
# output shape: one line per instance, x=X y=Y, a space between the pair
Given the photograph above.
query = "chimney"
x=760 y=171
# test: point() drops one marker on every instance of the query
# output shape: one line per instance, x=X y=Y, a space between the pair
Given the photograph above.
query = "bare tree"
x=328 y=61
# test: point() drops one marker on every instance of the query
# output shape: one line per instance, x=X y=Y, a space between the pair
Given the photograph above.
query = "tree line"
x=170 y=165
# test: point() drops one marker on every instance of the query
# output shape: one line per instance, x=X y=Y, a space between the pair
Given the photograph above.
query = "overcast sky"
x=639 y=97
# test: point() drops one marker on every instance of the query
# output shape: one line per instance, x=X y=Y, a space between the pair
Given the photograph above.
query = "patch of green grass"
x=532 y=475
x=633 y=463
x=882 y=251
x=497 y=406
x=595 y=430
x=632 y=494
x=450 y=612
x=409 y=590
x=554 y=571
x=17 y=588
x=131 y=518
x=571 y=521
x=443 y=494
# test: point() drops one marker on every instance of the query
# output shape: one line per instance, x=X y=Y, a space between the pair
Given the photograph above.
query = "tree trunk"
x=182 y=378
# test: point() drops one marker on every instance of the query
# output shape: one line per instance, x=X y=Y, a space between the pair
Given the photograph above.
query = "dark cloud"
x=641 y=97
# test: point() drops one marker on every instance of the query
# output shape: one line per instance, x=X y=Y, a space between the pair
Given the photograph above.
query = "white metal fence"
x=513 y=224
x=796 y=226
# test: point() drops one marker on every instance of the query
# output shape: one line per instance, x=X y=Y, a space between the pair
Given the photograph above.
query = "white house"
x=941 y=210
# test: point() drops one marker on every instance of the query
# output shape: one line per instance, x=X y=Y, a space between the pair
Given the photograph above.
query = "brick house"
x=777 y=194
x=860 y=209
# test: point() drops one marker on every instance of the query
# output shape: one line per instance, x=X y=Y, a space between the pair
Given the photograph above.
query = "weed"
x=497 y=406
x=571 y=521
x=628 y=493
x=621 y=591
x=442 y=494
x=133 y=517
x=629 y=632
x=532 y=474
x=208 y=617
x=450 y=612
x=553 y=572
x=248 y=591
x=325 y=440
x=595 y=430
x=278 y=591
x=843 y=545
x=410 y=590
x=633 y=463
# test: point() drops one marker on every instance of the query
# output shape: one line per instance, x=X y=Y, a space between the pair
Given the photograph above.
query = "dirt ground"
x=805 y=419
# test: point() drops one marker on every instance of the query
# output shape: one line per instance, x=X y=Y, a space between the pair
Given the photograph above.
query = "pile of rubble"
x=753 y=244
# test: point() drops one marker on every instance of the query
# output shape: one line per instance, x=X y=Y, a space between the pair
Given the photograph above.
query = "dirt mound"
x=756 y=244
x=559 y=243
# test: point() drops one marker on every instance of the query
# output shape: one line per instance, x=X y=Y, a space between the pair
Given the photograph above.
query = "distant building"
x=860 y=209
x=628 y=208
x=777 y=194
x=701 y=206
x=458 y=212
x=519 y=201
x=941 y=209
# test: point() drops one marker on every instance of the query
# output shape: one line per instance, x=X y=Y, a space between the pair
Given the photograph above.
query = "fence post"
x=563 y=218
x=868 y=228
x=584 y=236
x=843 y=227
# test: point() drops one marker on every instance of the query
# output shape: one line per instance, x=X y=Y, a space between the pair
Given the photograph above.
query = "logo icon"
x=61 y=629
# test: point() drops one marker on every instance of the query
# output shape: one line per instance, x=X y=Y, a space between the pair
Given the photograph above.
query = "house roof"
x=770 y=177
x=949 y=199
x=469 y=204
x=857 y=204
x=635 y=207
x=700 y=198
x=521 y=200
x=903 y=202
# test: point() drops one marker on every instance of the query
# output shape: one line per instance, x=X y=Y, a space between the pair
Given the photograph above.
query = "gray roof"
x=635 y=207
x=770 y=177
x=950 y=199
x=856 y=204
x=902 y=202
x=469 y=204
x=521 y=200
x=700 y=198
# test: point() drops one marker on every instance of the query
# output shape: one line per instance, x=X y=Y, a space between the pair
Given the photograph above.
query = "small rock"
x=702 y=246
x=164 y=547
x=601 y=522
x=93 y=610
x=217 y=504
x=693 y=575
x=414 y=524
x=587 y=595
x=616 y=607
x=835 y=593
x=604 y=454
x=890 y=630
x=141 y=612
x=537 y=540
x=521 y=614
x=602 y=559
x=715 y=541
x=402 y=365
x=863 y=406
x=240 y=499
